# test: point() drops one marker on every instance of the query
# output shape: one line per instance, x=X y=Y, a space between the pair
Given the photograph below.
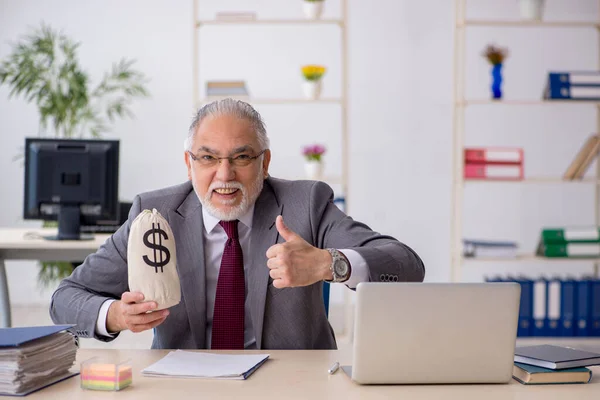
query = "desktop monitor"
x=72 y=181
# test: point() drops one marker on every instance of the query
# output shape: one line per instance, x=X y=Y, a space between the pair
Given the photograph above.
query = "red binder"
x=494 y=171
x=494 y=155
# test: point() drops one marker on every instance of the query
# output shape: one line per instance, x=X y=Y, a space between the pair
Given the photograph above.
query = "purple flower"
x=313 y=152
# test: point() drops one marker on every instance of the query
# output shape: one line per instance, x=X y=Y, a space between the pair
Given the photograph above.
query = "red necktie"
x=228 y=318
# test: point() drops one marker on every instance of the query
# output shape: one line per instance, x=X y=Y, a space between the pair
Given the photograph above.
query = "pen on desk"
x=333 y=368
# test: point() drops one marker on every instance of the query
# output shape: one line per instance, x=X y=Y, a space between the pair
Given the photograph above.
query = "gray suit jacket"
x=290 y=318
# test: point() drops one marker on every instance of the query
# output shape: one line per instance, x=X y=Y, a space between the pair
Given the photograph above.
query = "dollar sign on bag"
x=157 y=246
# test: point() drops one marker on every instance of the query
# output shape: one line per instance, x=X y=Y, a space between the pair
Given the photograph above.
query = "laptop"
x=422 y=333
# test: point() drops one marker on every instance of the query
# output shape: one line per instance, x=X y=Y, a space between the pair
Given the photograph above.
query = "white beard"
x=233 y=213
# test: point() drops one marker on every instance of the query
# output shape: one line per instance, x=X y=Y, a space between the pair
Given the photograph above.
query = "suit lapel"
x=263 y=235
x=187 y=225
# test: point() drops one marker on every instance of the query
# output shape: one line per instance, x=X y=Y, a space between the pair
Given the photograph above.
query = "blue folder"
x=582 y=308
x=540 y=307
x=525 y=307
x=595 y=308
x=567 y=307
x=14 y=337
x=553 y=307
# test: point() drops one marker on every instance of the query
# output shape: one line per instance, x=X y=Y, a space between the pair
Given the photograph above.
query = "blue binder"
x=540 y=307
x=595 y=307
x=574 y=78
x=553 y=314
x=567 y=307
x=525 y=307
x=582 y=312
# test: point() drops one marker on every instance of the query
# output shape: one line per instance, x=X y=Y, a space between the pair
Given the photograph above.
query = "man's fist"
x=296 y=262
x=132 y=312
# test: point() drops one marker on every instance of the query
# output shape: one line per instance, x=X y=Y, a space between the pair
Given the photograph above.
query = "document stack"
x=34 y=357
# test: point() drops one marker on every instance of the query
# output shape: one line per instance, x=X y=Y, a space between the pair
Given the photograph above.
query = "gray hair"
x=236 y=108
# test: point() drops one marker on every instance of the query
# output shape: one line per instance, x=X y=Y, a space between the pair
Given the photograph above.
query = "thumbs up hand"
x=296 y=262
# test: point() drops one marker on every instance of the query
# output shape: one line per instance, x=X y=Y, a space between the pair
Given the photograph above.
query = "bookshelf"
x=341 y=102
x=461 y=103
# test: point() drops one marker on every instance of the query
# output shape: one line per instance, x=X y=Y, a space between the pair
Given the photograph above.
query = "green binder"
x=582 y=234
x=572 y=250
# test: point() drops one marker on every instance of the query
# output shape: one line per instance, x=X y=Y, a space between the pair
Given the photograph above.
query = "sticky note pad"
x=98 y=375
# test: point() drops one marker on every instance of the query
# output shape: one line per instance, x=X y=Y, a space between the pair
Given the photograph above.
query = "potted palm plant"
x=43 y=68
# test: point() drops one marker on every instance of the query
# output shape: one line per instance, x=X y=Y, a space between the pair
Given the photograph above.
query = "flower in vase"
x=313 y=152
x=313 y=72
x=495 y=54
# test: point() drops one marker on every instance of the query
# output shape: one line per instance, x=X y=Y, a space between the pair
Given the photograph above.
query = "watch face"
x=341 y=268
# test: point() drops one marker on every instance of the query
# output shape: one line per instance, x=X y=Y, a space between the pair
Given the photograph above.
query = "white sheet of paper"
x=190 y=364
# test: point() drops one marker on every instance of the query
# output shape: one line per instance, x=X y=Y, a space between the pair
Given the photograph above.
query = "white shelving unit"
x=461 y=103
x=342 y=101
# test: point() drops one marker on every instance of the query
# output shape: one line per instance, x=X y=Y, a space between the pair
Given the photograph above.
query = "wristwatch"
x=340 y=266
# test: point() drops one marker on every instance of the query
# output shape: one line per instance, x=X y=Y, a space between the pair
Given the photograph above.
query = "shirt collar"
x=210 y=221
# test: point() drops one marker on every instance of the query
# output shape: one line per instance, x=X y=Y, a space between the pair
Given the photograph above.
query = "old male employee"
x=290 y=235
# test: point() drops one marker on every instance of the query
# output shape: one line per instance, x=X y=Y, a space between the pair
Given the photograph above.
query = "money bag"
x=152 y=260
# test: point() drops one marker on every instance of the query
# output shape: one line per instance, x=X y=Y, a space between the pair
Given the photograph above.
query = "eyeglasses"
x=207 y=160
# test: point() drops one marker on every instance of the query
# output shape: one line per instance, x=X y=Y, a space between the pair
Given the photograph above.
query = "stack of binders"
x=570 y=242
x=557 y=307
x=494 y=163
x=573 y=85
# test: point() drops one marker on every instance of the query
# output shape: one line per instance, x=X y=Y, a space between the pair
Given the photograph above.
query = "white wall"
x=400 y=108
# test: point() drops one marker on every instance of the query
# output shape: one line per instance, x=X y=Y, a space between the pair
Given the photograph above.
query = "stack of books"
x=217 y=90
x=573 y=85
x=494 y=163
x=582 y=161
x=544 y=364
x=570 y=242
x=32 y=358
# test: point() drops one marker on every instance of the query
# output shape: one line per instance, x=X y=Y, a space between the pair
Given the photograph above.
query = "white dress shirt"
x=214 y=239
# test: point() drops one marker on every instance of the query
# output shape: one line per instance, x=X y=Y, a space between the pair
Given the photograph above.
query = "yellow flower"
x=313 y=72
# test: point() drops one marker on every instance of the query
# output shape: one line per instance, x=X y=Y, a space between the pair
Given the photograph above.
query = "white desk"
x=28 y=244
x=300 y=374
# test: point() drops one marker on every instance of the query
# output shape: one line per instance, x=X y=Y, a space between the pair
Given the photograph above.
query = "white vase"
x=312 y=89
x=313 y=9
x=531 y=9
x=313 y=170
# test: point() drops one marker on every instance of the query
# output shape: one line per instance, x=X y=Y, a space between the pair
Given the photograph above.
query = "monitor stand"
x=69 y=223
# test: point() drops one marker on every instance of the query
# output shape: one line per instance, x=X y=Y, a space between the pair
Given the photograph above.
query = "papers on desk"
x=34 y=357
x=188 y=364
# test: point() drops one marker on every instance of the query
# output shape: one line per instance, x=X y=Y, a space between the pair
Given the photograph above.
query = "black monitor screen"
x=71 y=180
